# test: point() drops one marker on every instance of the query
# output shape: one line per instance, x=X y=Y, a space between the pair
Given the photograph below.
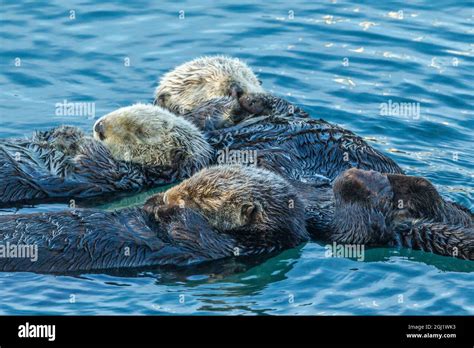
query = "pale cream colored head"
x=195 y=82
x=152 y=136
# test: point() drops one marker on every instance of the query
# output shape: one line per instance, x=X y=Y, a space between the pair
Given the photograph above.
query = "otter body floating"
x=300 y=148
x=186 y=226
x=160 y=233
x=63 y=163
x=93 y=240
x=42 y=169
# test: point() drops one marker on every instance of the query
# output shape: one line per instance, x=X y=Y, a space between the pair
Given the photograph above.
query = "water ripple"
x=340 y=60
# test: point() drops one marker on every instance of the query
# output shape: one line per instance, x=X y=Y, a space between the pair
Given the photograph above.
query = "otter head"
x=370 y=204
x=193 y=83
x=362 y=200
x=254 y=205
x=151 y=136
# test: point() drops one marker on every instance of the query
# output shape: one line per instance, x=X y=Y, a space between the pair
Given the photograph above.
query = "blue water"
x=423 y=54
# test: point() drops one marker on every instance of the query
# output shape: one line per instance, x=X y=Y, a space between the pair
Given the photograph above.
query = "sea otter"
x=64 y=163
x=176 y=229
x=212 y=93
x=234 y=197
x=191 y=84
x=159 y=233
x=151 y=136
x=378 y=209
x=254 y=120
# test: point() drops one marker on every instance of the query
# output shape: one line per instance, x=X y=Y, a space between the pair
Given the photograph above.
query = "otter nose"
x=100 y=129
x=236 y=91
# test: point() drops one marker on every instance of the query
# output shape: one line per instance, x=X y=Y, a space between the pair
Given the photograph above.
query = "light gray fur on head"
x=152 y=136
x=193 y=83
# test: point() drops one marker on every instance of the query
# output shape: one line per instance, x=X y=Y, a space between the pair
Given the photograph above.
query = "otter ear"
x=162 y=99
x=252 y=212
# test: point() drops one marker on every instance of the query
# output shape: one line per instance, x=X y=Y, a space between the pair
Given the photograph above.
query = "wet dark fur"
x=298 y=148
x=398 y=210
x=266 y=104
x=216 y=114
x=63 y=164
x=225 y=112
x=92 y=240
x=86 y=240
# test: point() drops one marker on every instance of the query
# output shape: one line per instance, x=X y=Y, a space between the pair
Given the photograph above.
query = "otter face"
x=239 y=199
x=370 y=204
x=151 y=136
x=224 y=194
x=195 y=82
x=362 y=200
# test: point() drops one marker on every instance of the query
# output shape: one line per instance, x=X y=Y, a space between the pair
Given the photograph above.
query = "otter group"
x=312 y=179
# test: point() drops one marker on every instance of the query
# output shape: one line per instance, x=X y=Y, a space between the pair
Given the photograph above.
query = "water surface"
x=339 y=60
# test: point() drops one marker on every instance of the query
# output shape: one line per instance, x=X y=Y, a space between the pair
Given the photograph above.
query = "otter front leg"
x=216 y=113
x=259 y=104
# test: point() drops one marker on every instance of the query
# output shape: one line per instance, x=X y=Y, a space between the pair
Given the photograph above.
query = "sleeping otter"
x=168 y=232
x=199 y=91
x=151 y=136
x=212 y=93
x=193 y=83
x=235 y=198
x=64 y=163
x=160 y=234
x=398 y=210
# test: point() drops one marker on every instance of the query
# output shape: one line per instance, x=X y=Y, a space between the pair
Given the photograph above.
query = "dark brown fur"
x=399 y=210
